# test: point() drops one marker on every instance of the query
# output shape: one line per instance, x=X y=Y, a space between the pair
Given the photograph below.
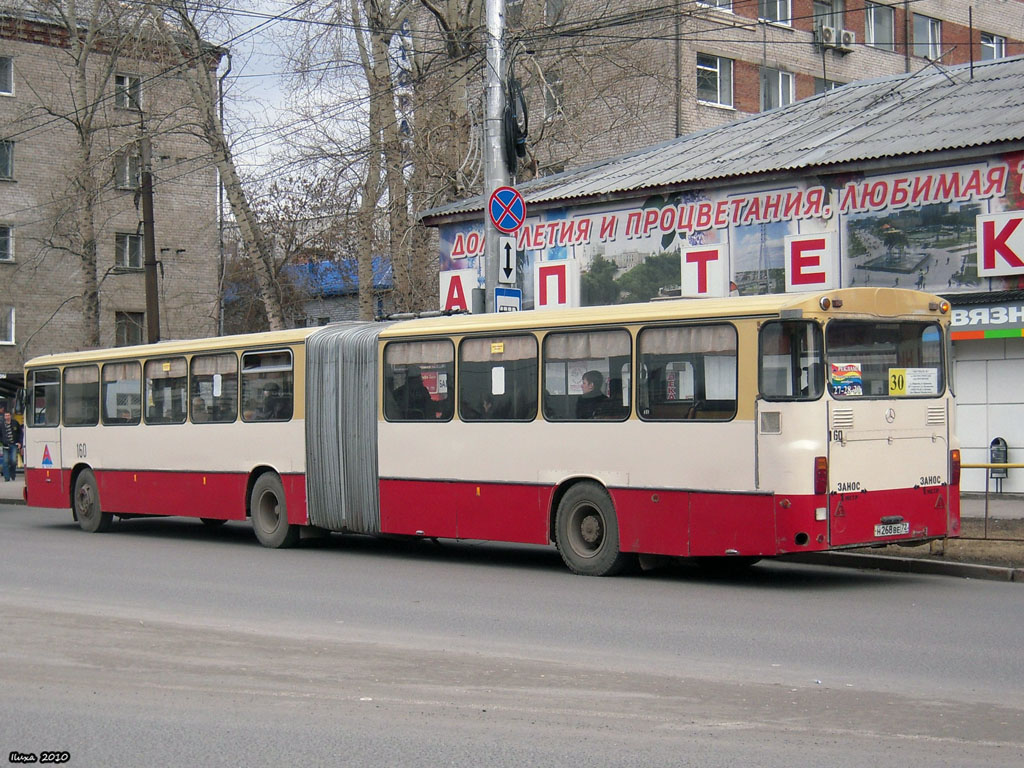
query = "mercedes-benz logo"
x=890 y=415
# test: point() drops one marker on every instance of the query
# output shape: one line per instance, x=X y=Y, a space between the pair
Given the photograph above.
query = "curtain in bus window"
x=166 y=391
x=81 y=396
x=122 y=393
x=417 y=375
x=586 y=375
x=214 y=388
x=268 y=386
x=687 y=372
x=498 y=379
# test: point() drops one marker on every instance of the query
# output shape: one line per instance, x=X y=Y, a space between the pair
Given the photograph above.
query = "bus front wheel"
x=587 y=532
x=270 y=513
x=90 y=516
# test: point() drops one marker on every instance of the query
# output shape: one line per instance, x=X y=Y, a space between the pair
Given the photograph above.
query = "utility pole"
x=149 y=241
x=495 y=171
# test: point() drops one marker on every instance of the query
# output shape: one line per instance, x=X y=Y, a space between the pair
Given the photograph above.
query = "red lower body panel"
x=188 y=494
x=459 y=510
x=929 y=512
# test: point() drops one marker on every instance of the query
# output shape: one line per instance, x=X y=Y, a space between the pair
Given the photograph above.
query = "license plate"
x=892 y=529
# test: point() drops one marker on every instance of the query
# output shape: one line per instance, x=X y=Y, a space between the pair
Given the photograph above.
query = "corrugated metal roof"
x=926 y=111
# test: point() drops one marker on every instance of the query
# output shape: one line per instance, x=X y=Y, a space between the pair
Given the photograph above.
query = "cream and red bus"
x=731 y=429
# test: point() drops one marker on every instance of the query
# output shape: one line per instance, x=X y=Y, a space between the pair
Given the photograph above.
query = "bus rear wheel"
x=587 y=532
x=91 y=517
x=270 y=513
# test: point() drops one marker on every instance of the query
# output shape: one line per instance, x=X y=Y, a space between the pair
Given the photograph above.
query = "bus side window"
x=82 y=396
x=44 y=407
x=268 y=385
x=790 y=360
x=586 y=375
x=213 y=388
x=122 y=393
x=166 y=391
x=690 y=372
x=498 y=379
x=420 y=375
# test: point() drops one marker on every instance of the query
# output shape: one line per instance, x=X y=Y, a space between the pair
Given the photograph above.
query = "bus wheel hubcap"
x=590 y=530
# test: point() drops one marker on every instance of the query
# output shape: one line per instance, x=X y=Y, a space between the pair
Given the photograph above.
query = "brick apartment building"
x=40 y=275
x=607 y=78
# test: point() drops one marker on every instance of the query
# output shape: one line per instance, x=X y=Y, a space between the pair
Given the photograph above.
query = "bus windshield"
x=884 y=359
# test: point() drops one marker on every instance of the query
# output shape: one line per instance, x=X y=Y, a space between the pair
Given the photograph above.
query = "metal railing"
x=990 y=466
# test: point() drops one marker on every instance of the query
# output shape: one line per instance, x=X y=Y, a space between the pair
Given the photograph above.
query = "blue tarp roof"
x=338 y=278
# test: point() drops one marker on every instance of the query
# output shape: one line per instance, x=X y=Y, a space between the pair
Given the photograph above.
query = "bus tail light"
x=820 y=475
x=954 y=467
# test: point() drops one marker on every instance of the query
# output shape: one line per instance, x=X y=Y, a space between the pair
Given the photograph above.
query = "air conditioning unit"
x=847 y=39
x=828 y=37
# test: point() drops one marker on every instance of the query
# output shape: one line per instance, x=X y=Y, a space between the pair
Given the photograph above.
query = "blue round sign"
x=507 y=209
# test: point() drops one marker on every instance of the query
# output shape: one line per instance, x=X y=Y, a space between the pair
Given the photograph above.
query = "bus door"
x=43 y=459
x=791 y=432
x=888 y=428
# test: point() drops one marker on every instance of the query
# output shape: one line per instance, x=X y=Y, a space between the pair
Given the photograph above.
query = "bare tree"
x=197 y=60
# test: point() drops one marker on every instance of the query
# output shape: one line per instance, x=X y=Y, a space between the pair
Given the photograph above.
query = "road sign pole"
x=495 y=172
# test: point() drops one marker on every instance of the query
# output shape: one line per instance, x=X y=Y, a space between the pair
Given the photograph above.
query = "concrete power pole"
x=149 y=242
x=495 y=171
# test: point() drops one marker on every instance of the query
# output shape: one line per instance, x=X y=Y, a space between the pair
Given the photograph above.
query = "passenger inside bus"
x=593 y=398
x=413 y=397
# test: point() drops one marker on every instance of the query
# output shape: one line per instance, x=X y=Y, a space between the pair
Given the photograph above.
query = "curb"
x=909 y=565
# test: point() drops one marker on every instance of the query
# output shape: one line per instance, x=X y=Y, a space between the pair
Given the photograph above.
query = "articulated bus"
x=721 y=429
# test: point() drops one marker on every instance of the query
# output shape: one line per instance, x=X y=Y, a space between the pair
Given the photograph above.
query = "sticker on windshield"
x=845 y=379
x=913 y=381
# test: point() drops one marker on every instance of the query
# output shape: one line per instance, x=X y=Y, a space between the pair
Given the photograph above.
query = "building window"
x=821 y=85
x=127 y=171
x=128 y=91
x=714 y=80
x=129 y=251
x=6 y=76
x=992 y=47
x=878 y=26
x=6 y=159
x=6 y=243
x=828 y=13
x=776 y=11
x=927 y=37
x=776 y=88
x=514 y=13
x=553 y=10
x=128 y=328
x=6 y=325
x=723 y=5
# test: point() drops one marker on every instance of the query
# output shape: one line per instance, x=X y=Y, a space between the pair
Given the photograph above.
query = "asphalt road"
x=165 y=643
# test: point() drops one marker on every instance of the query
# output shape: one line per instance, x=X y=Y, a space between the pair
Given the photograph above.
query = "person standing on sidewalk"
x=9 y=439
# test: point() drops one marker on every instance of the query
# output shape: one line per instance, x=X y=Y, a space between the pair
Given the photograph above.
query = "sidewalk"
x=13 y=492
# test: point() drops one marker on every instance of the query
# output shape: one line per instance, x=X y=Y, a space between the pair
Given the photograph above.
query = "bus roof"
x=863 y=302
x=177 y=347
